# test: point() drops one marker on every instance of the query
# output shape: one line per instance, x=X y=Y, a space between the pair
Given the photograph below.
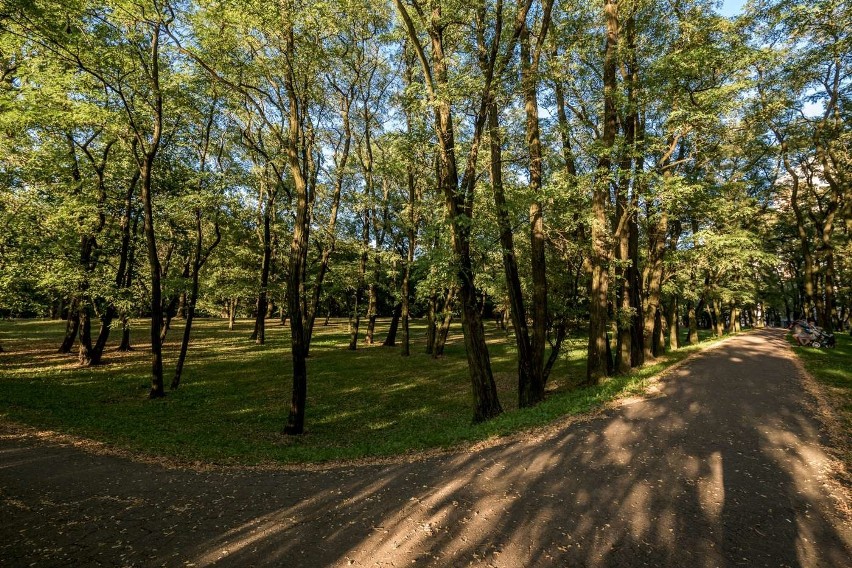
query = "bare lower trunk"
x=372 y=301
x=443 y=330
x=355 y=323
x=72 y=327
x=125 y=335
x=673 y=323
x=432 y=324
x=693 y=324
x=390 y=340
x=232 y=312
x=85 y=354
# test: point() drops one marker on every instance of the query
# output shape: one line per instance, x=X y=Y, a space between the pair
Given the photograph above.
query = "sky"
x=731 y=7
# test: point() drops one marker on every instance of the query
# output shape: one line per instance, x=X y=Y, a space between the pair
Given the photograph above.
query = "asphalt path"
x=725 y=465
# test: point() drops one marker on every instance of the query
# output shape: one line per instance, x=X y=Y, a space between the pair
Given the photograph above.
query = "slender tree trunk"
x=259 y=333
x=157 y=388
x=432 y=324
x=405 y=306
x=459 y=200
x=298 y=256
x=531 y=391
x=510 y=265
x=199 y=259
x=328 y=249
x=359 y=292
x=372 y=308
x=232 y=312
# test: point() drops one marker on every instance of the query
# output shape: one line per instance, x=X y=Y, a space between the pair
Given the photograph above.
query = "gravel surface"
x=724 y=466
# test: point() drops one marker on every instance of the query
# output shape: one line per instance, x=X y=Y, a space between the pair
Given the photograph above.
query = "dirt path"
x=725 y=468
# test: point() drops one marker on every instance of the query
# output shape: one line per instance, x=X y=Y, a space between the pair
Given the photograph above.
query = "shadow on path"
x=725 y=468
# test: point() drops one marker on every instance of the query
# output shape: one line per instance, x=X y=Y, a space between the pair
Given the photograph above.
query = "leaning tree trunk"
x=390 y=340
x=200 y=257
x=72 y=327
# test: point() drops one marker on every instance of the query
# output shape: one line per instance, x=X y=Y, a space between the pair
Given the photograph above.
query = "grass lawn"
x=234 y=395
x=833 y=369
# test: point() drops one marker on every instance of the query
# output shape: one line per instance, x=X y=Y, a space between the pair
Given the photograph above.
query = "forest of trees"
x=622 y=168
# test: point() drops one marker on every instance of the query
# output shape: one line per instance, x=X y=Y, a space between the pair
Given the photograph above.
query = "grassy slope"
x=234 y=396
x=833 y=369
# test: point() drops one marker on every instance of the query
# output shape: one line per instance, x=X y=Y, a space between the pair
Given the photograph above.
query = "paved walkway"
x=725 y=468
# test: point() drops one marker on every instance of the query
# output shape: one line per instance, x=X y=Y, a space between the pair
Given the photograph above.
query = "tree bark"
x=432 y=324
x=199 y=258
x=72 y=327
x=442 y=331
x=531 y=387
x=517 y=309
x=390 y=340
x=673 y=324
x=259 y=333
x=597 y=359
x=693 y=323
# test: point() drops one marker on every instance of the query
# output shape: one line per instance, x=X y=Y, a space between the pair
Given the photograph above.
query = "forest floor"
x=723 y=462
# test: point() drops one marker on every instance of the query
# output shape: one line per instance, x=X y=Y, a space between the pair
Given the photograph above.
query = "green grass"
x=234 y=396
x=833 y=369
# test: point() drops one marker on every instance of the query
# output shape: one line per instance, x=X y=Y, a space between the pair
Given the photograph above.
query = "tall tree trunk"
x=626 y=213
x=517 y=310
x=405 y=307
x=126 y=283
x=362 y=274
x=459 y=199
x=298 y=254
x=531 y=390
x=157 y=388
x=597 y=359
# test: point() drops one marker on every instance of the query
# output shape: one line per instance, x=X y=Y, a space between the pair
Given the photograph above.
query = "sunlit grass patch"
x=234 y=397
